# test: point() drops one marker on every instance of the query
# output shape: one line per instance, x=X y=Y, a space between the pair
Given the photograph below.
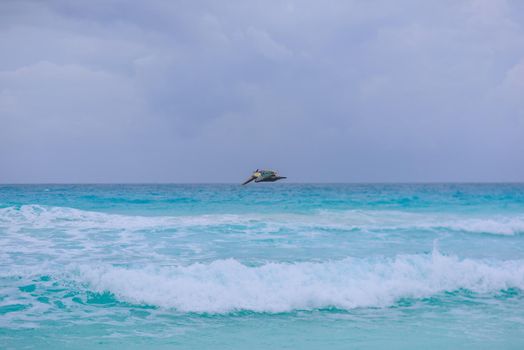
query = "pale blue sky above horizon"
x=207 y=91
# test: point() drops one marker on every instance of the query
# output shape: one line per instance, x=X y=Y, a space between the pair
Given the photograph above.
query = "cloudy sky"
x=206 y=91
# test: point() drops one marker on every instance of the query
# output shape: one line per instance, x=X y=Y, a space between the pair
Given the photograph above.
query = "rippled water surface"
x=264 y=266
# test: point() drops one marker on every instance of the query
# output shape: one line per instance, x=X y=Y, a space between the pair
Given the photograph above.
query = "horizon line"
x=273 y=184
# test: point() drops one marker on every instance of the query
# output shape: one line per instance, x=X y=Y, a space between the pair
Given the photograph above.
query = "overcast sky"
x=207 y=91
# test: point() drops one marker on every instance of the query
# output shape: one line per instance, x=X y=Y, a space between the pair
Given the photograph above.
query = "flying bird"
x=263 y=176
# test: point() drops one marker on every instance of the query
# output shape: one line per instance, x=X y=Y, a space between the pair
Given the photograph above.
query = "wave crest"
x=227 y=285
x=42 y=217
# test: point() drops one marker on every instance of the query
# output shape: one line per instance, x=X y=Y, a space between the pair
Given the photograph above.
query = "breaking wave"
x=43 y=217
x=227 y=285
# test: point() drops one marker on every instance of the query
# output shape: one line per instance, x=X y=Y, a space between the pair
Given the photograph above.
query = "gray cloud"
x=185 y=91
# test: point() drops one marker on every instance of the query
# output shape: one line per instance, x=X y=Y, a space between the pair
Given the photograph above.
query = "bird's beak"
x=251 y=178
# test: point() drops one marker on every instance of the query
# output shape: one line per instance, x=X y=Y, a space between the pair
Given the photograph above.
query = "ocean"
x=262 y=266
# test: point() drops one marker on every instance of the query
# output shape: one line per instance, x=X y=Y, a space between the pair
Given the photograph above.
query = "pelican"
x=264 y=176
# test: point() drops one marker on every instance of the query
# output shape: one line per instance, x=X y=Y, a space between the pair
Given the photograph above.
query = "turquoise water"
x=267 y=266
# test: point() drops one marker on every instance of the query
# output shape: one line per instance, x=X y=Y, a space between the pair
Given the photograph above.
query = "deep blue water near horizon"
x=279 y=266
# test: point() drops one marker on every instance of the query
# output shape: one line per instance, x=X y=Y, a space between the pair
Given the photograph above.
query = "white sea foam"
x=378 y=219
x=227 y=285
x=37 y=216
x=74 y=220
